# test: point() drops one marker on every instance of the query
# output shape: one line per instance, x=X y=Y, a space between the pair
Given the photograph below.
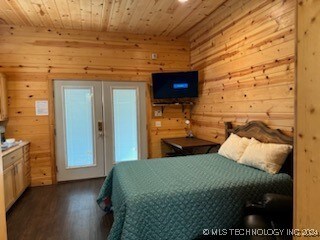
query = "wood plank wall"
x=307 y=155
x=173 y=125
x=31 y=57
x=245 y=54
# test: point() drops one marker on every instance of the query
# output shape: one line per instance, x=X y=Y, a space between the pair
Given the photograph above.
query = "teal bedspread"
x=176 y=198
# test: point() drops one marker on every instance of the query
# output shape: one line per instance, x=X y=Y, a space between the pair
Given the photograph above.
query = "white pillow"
x=265 y=156
x=234 y=147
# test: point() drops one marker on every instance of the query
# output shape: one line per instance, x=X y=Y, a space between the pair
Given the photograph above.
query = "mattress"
x=177 y=198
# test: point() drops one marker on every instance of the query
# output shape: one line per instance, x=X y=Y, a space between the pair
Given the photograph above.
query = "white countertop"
x=12 y=149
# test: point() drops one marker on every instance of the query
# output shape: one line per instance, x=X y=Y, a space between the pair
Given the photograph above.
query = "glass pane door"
x=79 y=127
x=125 y=123
x=79 y=130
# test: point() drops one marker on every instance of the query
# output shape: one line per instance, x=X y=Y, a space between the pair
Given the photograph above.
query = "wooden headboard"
x=263 y=133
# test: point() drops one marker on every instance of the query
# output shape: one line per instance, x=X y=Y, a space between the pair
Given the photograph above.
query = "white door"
x=98 y=124
x=125 y=121
x=79 y=130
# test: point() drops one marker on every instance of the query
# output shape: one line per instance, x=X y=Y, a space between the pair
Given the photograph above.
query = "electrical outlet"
x=158 y=123
x=158 y=113
x=154 y=56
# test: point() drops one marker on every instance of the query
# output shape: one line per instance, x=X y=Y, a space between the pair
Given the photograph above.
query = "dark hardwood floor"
x=63 y=211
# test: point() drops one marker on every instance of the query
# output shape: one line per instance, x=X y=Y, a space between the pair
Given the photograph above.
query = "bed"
x=176 y=198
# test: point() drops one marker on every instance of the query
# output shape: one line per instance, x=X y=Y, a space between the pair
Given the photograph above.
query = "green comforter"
x=176 y=198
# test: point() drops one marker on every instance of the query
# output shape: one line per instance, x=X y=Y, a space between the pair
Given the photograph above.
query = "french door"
x=125 y=121
x=98 y=124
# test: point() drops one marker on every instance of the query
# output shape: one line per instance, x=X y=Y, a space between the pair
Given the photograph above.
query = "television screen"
x=175 y=85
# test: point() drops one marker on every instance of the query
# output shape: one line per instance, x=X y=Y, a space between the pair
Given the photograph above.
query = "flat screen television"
x=175 y=85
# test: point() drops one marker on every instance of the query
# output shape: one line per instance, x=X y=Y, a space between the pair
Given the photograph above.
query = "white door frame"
x=108 y=118
x=106 y=97
x=97 y=169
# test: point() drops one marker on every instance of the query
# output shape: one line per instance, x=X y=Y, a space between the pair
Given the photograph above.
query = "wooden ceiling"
x=150 y=17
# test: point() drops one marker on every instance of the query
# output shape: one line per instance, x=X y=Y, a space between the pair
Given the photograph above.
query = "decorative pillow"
x=265 y=156
x=234 y=147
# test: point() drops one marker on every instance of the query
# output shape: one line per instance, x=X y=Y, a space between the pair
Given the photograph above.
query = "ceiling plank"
x=106 y=13
x=127 y=16
x=28 y=9
x=10 y=13
x=75 y=13
x=146 y=17
x=196 y=15
x=97 y=8
x=64 y=12
x=41 y=11
x=17 y=9
x=53 y=13
x=86 y=14
x=117 y=12
x=4 y=19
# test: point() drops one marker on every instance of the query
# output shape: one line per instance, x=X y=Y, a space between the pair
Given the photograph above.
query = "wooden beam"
x=307 y=157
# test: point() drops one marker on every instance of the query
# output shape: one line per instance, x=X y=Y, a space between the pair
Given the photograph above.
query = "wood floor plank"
x=63 y=211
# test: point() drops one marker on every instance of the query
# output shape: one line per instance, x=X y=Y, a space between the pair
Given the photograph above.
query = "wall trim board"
x=295 y=164
x=307 y=134
x=52 y=130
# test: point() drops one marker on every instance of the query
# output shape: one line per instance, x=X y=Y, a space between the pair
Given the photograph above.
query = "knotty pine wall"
x=245 y=54
x=244 y=51
x=307 y=155
x=32 y=57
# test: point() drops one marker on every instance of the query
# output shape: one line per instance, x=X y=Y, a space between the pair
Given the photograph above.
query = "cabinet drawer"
x=12 y=157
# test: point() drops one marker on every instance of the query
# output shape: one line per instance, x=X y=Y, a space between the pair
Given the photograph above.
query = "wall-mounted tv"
x=175 y=85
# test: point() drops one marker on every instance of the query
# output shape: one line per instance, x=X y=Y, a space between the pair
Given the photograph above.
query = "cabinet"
x=3 y=98
x=9 y=186
x=19 y=177
x=16 y=165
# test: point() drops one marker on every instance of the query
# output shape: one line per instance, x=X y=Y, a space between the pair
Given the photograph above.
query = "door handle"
x=100 y=128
